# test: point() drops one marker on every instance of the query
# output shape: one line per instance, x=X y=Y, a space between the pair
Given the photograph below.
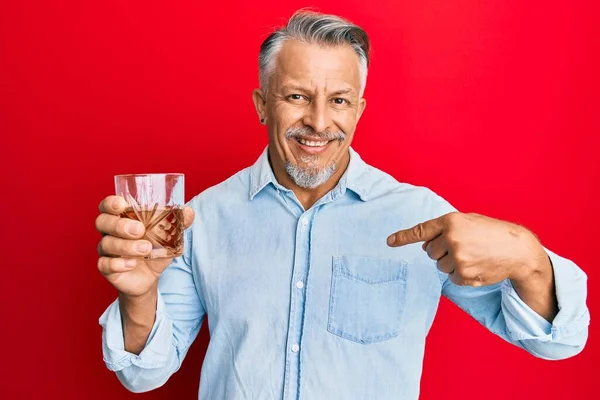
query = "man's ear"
x=260 y=101
x=362 y=103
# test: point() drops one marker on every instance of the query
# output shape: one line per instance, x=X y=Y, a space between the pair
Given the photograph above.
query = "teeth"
x=312 y=143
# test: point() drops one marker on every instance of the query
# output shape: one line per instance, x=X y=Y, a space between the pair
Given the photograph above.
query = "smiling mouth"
x=312 y=143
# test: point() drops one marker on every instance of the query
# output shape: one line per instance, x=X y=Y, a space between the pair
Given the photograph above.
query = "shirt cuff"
x=524 y=323
x=156 y=351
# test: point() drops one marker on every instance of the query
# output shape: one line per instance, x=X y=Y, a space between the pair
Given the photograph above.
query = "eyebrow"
x=302 y=89
x=295 y=87
x=343 y=91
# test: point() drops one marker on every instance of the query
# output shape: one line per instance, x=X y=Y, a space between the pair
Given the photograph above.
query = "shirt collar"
x=355 y=178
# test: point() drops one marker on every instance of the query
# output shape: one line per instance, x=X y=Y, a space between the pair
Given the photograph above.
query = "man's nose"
x=317 y=116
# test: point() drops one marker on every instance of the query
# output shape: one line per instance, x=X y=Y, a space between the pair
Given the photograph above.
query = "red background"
x=493 y=105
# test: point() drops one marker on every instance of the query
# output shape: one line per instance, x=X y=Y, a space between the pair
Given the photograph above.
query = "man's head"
x=313 y=74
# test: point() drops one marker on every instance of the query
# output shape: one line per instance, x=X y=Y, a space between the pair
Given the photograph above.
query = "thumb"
x=188 y=216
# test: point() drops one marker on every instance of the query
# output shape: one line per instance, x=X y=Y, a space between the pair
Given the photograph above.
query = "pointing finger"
x=424 y=231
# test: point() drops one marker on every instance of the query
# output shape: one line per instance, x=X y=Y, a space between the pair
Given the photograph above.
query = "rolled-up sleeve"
x=500 y=309
x=179 y=316
x=567 y=334
x=156 y=351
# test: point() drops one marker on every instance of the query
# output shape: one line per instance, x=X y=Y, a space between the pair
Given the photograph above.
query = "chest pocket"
x=367 y=298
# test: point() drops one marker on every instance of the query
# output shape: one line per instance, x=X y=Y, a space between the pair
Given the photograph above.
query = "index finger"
x=421 y=232
x=114 y=205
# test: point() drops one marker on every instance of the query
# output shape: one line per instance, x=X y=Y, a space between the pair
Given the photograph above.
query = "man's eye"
x=340 y=101
x=296 y=97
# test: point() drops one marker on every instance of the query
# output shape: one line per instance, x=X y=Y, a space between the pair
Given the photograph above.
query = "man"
x=306 y=295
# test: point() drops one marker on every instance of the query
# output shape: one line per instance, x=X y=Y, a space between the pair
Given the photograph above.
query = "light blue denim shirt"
x=313 y=304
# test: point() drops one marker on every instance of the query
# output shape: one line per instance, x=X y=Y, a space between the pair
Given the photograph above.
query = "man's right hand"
x=122 y=238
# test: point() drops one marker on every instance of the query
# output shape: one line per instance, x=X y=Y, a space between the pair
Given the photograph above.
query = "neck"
x=308 y=197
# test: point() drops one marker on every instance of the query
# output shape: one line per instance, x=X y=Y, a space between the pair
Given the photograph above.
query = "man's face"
x=311 y=110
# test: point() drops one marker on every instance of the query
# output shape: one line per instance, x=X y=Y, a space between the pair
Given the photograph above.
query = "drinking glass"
x=157 y=201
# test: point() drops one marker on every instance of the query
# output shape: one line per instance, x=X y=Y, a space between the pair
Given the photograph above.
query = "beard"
x=310 y=178
x=309 y=175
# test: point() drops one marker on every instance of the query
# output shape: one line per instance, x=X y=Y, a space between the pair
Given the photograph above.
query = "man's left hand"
x=476 y=250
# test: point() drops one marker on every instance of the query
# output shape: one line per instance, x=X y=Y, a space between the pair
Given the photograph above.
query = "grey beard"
x=309 y=177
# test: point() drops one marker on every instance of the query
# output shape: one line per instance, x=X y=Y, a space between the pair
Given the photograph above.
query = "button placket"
x=297 y=303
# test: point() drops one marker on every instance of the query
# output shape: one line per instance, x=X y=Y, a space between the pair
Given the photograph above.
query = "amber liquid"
x=164 y=229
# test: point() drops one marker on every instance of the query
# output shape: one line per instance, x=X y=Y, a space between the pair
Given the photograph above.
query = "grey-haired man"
x=307 y=294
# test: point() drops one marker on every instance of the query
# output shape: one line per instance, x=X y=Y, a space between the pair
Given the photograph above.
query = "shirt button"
x=299 y=284
x=295 y=348
x=304 y=221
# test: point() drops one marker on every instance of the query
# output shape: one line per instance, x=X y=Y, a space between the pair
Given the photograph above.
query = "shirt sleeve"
x=179 y=316
x=500 y=309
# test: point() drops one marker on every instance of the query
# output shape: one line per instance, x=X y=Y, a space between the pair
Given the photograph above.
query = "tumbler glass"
x=157 y=201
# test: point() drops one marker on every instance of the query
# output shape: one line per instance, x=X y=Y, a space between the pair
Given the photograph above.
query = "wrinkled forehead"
x=317 y=68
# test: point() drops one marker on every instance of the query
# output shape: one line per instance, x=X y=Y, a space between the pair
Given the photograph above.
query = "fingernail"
x=391 y=239
x=130 y=263
x=134 y=228
x=142 y=247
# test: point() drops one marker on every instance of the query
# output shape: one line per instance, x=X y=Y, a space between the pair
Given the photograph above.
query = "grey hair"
x=312 y=27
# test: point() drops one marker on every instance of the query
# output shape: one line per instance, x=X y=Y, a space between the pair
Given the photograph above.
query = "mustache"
x=298 y=132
